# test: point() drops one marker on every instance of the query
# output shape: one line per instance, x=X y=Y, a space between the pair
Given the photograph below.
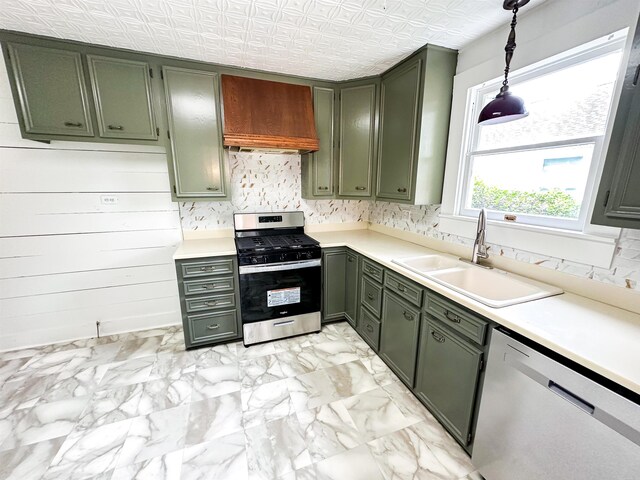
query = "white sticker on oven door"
x=284 y=296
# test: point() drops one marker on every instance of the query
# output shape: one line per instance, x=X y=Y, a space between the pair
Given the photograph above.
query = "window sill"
x=565 y=244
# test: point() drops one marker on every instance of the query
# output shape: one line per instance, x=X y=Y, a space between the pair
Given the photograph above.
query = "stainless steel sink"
x=494 y=288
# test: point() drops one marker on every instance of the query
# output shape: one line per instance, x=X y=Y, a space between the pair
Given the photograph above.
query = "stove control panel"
x=279 y=257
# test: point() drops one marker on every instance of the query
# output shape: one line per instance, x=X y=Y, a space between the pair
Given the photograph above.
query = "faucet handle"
x=483 y=251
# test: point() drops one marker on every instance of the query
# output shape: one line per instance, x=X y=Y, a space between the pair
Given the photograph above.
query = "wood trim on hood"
x=265 y=114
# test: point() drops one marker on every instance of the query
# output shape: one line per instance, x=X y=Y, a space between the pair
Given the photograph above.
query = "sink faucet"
x=479 y=248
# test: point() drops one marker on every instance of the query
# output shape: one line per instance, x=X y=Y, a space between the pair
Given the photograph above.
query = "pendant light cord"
x=509 y=49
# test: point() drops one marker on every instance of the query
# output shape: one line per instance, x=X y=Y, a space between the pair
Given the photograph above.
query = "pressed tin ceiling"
x=329 y=39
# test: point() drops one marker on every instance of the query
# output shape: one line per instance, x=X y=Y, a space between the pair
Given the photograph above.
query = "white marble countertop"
x=205 y=247
x=600 y=337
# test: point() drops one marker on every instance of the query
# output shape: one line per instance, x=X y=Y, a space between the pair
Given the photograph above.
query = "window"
x=540 y=170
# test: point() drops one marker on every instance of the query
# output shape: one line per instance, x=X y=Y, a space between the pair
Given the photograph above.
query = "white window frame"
x=594 y=244
x=477 y=93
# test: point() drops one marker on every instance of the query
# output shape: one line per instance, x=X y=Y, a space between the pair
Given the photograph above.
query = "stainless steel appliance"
x=280 y=276
x=544 y=417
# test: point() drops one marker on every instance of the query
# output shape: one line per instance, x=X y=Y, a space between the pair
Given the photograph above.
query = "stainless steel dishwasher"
x=543 y=417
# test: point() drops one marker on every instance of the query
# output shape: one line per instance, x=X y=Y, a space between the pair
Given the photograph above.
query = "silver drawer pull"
x=215 y=326
x=451 y=317
x=361 y=188
x=115 y=127
x=72 y=124
x=370 y=296
x=208 y=286
x=400 y=288
x=402 y=190
x=284 y=324
x=438 y=338
x=211 y=303
x=407 y=315
x=370 y=270
x=369 y=329
x=207 y=269
x=213 y=189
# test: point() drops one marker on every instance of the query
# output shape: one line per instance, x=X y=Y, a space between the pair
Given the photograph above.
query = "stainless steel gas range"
x=280 y=276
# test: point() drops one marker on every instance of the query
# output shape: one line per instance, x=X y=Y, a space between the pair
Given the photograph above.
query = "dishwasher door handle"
x=571 y=397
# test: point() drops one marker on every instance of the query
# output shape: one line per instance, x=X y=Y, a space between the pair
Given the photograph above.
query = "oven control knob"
x=254 y=260
x=307 y=254
x=283 y=256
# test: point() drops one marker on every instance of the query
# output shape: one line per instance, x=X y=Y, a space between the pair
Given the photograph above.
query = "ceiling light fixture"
x=506 y=107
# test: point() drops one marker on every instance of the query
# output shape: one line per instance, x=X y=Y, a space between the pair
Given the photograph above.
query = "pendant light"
x=506 y=107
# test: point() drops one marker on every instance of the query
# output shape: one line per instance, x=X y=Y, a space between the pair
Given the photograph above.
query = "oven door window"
x=276 y=294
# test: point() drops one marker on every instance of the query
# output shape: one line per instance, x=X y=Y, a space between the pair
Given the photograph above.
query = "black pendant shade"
x=506 y=107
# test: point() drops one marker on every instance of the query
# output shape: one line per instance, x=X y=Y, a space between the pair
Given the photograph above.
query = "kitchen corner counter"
x=600 y=337
x=205 y=247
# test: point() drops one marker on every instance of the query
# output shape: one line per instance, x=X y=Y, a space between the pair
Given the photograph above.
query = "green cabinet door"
x=400 y=97
x=318 y=168
x=50 y=91
x=333 y=284
x=447 y=378
x=357 y=140
x=399 y=336
x=193 y=110
x=123 y=98
x=618 y=200
x=352 y=282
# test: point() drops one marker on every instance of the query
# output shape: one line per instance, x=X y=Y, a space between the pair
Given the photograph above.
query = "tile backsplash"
x=268 y=182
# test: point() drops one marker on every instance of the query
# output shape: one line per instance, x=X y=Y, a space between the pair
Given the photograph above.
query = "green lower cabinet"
x=447 y=377
x=334 y=264
x=352 y=280
x=399 y=336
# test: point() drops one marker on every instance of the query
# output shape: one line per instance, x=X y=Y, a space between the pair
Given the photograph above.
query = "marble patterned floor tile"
x=376 y=415
x=404 y=455
x=155 y=434
x=382 y=374
x=311 y=390
x=296 y=362
x=293 y=343
x=165 y=393
x=408 y=404
x=329 y=430
x=111 y=405
x=70 y=384
x=44 y=422
x=165 y=467
x=55 y=363
x=354 y=464
x=259 y=350
x=256 y=371
x=128 y=372
x=25 y=393
x=333 y=353
x=208 y=357
x=351 y=379
x=88 y=453
x=138 y=348
x=265 y=403
x=172 y=341
x=306 y=473
x=222 y=459
x=30 y=461
x=173 y=365
x=214 y=381
x=214 y=417
x=9 y=366
x=276 y=448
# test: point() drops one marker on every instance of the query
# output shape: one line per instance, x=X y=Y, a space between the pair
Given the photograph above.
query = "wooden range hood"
x=260 y=114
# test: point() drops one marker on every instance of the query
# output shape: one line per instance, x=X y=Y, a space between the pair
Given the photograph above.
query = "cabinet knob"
x=438 y=338
x=215 y=326
x=361 y=188
x=115 y=127
x=72 y=124
x=369 y=329
x=350 y=259
x=400 y=288
x=402 y=190
x=370 y=296
x=407 y=315
x=213 y=189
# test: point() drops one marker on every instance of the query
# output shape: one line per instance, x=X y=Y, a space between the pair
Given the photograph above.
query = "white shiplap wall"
x=66 y=259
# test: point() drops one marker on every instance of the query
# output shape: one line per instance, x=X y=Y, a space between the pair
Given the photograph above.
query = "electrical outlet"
x=109 y=200
x=406 y=215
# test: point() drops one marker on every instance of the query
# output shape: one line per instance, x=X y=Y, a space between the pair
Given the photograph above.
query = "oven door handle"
x=276 y=267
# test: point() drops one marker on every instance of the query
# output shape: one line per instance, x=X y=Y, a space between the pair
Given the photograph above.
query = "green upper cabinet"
x=123 y=98
x=357 y=143
x=50 y=91
x=618 y=200
x=195 y=130
x=414 y=127
x=318 y=172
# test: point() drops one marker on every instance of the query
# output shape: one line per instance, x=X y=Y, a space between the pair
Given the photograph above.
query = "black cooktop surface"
x=274 y=242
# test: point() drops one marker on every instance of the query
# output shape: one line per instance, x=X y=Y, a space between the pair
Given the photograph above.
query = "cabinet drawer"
x=457 y=318
x=371 y=296
x=206 y=268
x=369 y=328
x=210 y=302
x=373 y=270
x=209 y=285
x=404 y=288
x=212 y=326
